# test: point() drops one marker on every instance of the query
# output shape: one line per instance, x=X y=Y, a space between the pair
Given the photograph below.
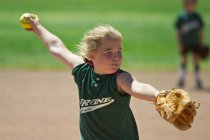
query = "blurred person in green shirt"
x=189 y=25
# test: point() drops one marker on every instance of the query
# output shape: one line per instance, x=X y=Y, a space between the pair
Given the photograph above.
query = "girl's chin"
x=113 y=70
x=109 y=71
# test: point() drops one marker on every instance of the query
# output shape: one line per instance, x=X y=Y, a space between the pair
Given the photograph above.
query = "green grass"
x=147 y=26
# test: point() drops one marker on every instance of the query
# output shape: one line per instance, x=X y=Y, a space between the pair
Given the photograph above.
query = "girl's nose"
x=116 y=57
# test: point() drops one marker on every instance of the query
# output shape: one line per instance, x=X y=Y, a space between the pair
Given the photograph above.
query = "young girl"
x=104 y=89
x=189 y=27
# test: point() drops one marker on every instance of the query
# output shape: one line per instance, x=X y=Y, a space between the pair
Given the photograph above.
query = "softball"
x=25 y=23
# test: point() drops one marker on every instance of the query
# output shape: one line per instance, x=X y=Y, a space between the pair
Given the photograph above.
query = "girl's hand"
x=33 y=21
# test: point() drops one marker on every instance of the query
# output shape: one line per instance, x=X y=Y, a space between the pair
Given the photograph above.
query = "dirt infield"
x=45 y=106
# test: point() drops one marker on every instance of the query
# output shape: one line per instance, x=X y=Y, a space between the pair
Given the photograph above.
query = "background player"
x=189 y=27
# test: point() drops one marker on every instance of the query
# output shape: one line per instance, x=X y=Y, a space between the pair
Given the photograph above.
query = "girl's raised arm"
x=54 y=44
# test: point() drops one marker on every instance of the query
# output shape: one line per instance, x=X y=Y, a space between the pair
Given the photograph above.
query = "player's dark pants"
x=195 y=51
x=189 y=49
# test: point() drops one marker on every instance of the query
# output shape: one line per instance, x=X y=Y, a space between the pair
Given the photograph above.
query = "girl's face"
x=189 y=6
x=107 y=58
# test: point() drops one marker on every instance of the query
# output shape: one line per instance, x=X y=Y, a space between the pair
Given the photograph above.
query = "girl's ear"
x=92 y=56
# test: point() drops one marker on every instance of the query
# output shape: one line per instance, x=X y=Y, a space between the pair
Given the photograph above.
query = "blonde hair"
x=93 y=38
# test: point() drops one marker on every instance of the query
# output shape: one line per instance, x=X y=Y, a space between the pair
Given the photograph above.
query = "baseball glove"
x=204 y=52
x=176 y=107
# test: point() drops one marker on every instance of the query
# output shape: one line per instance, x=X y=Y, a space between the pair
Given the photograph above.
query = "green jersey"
x=189 y=25
x=104 y=112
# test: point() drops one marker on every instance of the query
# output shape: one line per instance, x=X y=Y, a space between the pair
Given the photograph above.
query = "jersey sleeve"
x=76 y=69
x=178 y=22
x=76 y=72
x=200 y=19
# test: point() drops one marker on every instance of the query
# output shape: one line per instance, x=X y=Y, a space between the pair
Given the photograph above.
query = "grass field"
x=147 y=26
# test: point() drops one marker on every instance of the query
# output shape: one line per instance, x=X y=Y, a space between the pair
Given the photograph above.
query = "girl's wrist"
x=38 y=28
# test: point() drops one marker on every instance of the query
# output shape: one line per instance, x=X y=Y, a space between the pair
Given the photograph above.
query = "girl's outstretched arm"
x=128 y=84
x=54 y=44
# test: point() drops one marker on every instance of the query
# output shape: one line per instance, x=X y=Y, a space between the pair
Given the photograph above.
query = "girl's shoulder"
x=81 y=67
x=124 y=77
x=124 y=81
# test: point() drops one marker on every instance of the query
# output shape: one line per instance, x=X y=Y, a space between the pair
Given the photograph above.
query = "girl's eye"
x=108 y=52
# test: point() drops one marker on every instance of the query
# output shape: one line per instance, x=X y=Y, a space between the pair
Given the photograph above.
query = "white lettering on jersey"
x=91 y=105
x=187 y=27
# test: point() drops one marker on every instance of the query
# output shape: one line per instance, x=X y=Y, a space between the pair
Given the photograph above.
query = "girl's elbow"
x=55 y=47
x=54 y=50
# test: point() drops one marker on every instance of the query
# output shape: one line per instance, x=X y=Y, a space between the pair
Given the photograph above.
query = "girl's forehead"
x=113 y=43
